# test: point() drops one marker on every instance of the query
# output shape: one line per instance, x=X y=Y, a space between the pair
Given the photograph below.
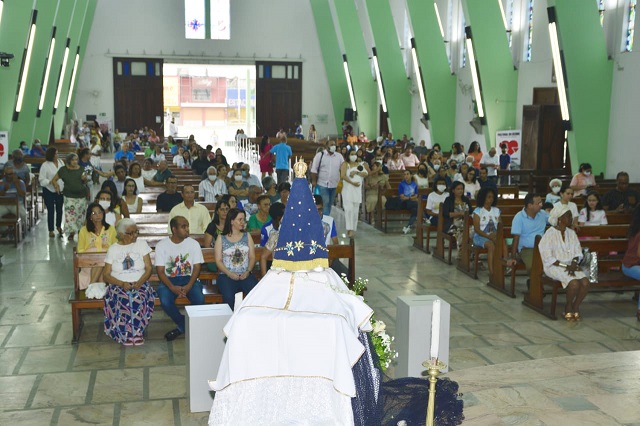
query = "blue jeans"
x=328 y=198
x=168 y=298
x=633 y=272
x=228 y=287
x=413 y=206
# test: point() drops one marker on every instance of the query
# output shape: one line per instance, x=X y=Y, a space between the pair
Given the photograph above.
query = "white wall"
x=259 y=30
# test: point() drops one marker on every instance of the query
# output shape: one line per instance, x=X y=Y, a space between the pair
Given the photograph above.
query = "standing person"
x=505 y=163
x=96 y=236
x=266 y=157
x=196 y=214
x=128 y=304
x=560 y=252
x=457 y=153
x=283 y=152
x=408 y=193
x=492 y=163
x=211 y=189
x=75 y=193
x=352 y=173
x=325 y=174
x=52 y=199
x=631 y=260
x=178 y=263
x=173 y=128
x=528 y=223
x=235 y=258
x=169 y=198
x=474 y=151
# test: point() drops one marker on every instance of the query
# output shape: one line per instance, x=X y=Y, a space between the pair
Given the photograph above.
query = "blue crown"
x=301 y=239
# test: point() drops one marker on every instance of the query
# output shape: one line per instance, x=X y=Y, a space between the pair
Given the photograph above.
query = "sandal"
x=128 y=343
x=138 y=341
x=576 y=316
x=568 y=316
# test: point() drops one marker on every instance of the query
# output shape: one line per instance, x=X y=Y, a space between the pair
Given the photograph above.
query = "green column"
x=16 y=22
x=84 y=9
x=394 y=76
x=23 y=129
x=358 y=56
x=499 y=80
x=332 y=58
x=589 y=78
x=62 y=22
x=439 y=83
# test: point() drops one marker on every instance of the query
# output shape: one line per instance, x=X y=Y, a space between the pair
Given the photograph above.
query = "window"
x=631 y=19
x=601 y=12
x=463 y=59
x=527 y=51
x=200 y=94
x=207 y=19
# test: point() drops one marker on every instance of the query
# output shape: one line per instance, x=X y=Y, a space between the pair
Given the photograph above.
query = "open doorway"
x=210 y=101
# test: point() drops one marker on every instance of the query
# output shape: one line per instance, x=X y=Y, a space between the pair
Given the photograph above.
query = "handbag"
x=589 y=265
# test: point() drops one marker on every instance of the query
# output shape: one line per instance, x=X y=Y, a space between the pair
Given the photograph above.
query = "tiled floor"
x=513 y=365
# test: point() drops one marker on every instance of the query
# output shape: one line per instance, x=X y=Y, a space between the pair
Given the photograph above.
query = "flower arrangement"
x=379 y=338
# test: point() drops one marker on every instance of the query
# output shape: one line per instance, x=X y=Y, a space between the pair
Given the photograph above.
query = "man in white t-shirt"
x=178 y=262
x=492 y=163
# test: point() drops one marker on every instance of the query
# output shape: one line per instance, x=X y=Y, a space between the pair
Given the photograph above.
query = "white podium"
x=204 y=348
x=413 y=334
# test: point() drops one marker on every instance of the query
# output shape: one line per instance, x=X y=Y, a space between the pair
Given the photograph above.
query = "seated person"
x=528 y=223
x=124 y=152
x=109 y=205
x=484 y=181
x=211 y=189
x=408 y=193
x=238 y=186
x=269 y=185
x=162 y=174
x=196 y=214
x=178 y=263
x=269 y=235
x=11 y=184
x=95 y=236
x=471 y=185
x=169 y=198
x=486 y=218
x=261 y=216
x=248 y=177
x=622 y=198
x=553 y=196
x=436 y=198
x=20 y=168
x=592 y=214
x=284 y=189
x=583 y=181
x=328 y=224
x=37 y=150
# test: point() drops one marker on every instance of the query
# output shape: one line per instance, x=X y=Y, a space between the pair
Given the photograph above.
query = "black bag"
x=393 y=203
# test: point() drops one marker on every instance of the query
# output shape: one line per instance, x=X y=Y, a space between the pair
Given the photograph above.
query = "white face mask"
x=332 y=148
x=353 y=158
x=237 y=178
x=436 y=167
x=470 y=163
x=105 y=204
x=555 y=189
x=441 y=188
x=587 y=173
x=212 y=178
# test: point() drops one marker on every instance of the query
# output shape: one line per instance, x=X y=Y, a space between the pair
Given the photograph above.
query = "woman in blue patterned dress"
x=128 y=304
x=235 y=258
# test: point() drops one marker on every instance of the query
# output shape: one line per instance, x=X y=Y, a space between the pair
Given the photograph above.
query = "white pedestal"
x=413 y=334
x=204 y=348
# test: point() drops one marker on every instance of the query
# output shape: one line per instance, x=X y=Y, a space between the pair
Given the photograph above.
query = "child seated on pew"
x=592 y=214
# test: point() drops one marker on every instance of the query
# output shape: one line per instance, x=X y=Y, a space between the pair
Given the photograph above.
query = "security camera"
x=5 y=58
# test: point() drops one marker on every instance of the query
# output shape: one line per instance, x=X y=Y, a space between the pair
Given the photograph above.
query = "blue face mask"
x=244 y=174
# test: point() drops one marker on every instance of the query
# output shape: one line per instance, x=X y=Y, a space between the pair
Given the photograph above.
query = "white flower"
x=379 y=327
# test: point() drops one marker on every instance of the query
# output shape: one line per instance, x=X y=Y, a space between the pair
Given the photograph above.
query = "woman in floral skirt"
x=128 y=304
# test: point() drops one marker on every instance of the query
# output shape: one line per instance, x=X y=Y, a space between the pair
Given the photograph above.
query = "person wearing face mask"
x=436 y=198
x=452 y=171
x=36 y=149
x=583 y=181
x=470 y=162
x=422 y=176
x=554 y=196
x=352 y=173
x=106 y=201
x=238 y=187
x=211 y=189
x=20 y=168
x=325 y=174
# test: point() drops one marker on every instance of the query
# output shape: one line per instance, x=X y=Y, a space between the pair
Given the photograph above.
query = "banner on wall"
x=513 y=140
x=4 y=146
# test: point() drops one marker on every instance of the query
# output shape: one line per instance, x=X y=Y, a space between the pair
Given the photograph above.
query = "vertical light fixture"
x=63 y=68
x=1 y=7
x=24 y=67
x=504 y=15
x=558 y=66
x=418 y=71
x=379 y=81
x=475 y=77
x=47 y=70
x=349 y=85
x=73 y=78
x=435 y=6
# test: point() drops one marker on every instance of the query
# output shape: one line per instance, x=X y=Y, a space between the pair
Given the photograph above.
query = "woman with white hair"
x=553 y=196
x=561 y=252
x=128 y=304
x=75 y=192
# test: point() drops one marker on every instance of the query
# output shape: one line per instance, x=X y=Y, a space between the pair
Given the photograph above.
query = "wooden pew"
x=441 y=237
x=79 y=301
x=15 y=221
x=610 y=278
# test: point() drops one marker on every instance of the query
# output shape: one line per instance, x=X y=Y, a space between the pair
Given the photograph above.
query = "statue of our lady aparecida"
x=293 y=343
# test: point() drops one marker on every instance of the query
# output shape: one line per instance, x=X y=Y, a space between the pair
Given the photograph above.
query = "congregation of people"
x=228 y=204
